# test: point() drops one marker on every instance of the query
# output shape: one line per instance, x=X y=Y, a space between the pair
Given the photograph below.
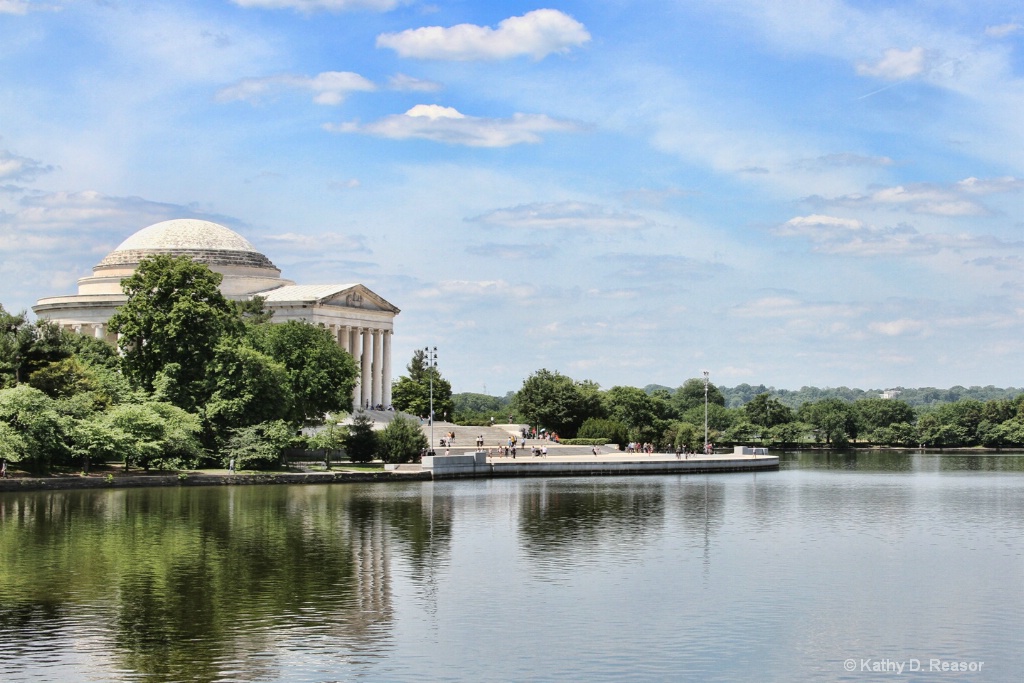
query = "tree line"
x=671 y=418
x=195 y=381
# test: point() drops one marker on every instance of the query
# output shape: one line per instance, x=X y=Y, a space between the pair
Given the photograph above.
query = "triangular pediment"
x=355 y=296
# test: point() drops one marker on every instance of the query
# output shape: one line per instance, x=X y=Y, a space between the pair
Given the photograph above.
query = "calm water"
x=881 y=559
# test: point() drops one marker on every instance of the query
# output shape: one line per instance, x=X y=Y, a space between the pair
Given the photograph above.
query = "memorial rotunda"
x=360 y=320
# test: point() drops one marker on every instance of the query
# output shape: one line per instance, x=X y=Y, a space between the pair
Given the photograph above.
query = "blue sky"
x=788 y=193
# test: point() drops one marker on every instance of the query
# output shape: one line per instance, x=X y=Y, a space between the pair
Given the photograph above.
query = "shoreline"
x=122 y=481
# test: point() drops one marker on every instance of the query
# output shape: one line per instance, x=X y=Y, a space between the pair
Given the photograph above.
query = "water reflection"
x=760 y=576
x=560 y=519
x=183 y=581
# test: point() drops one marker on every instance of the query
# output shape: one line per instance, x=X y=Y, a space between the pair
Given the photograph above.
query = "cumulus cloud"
x=563 y=216
x=538 y=34
x=23 y=169
x=448 y=125
x=896 y=65
x=310 y=6
x=847 y=236
x=329 y=87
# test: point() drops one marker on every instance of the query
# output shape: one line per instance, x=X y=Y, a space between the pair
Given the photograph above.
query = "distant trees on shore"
x=670 y=418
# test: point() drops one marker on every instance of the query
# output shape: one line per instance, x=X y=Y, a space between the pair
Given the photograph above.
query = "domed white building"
x=361 y=321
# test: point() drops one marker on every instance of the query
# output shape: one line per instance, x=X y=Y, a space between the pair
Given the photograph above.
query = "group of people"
x=637 y=447
x=448 y=439
x=531 y=433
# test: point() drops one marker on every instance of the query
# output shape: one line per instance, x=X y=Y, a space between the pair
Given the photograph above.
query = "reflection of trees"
x=187 y=581
x=561 y=517
x=875 y=460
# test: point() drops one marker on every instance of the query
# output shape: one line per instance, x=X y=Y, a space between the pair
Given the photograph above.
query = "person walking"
x=231 y=465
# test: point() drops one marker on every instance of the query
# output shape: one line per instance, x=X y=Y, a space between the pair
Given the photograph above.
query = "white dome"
x=204 y=241
x=186 y=233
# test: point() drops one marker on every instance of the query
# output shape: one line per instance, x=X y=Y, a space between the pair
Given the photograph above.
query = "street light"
x=706 y=377
x=430 y=358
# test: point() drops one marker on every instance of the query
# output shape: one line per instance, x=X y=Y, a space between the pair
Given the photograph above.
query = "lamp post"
x=706 y=377
x=430 y=358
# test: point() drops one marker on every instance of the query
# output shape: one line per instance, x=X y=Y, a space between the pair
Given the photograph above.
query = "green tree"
x=832 y=420
x=155 y=435
x=636 y=409
x=361 y=441
x=321 y=375
x=259 y=446
x=684 y=436
x=250 y=388
x=329 y=438
x=765 y=411
x=35 y=433
x=26 y=347
x=875 y=413
x=411 y=393
x=691 y=395
x=170 y=326
x=555 y=402
x=401 y=440
x=604 y=428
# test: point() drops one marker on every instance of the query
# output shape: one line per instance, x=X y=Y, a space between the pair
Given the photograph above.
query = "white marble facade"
x=360 y=320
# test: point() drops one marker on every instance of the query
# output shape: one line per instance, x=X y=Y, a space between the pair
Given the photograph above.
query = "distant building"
x=891 y=393
x=360 y=320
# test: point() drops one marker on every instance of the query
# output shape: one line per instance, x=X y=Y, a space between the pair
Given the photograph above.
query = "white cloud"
x=899 y=328
x=14 y=7
x=329 y=87
x=14 y=167
x=88 y=210
x=475 y=290
x=1002 y=30
x=844 y=160
x=448 y=125
x=563 y=216
x=537 y=33
x=834 y=235
x=319 y=243
x=896 y=65
x=23 y=7
x=405 y=83
x=955 y=199
x=310 y=6
x=795 y=309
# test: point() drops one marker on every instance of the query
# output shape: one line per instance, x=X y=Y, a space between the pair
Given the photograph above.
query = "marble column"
x=366 y=362
x=376 y=369
x=357 y=392
x=386 y=374
x=99 y=331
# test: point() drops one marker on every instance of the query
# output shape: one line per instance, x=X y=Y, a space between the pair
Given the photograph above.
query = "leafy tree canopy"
x=361 y=440
x=321 y=375
x=691 y=395
x=171 y=324
x=401 y=440
x=555 y=402
x=411 y=393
